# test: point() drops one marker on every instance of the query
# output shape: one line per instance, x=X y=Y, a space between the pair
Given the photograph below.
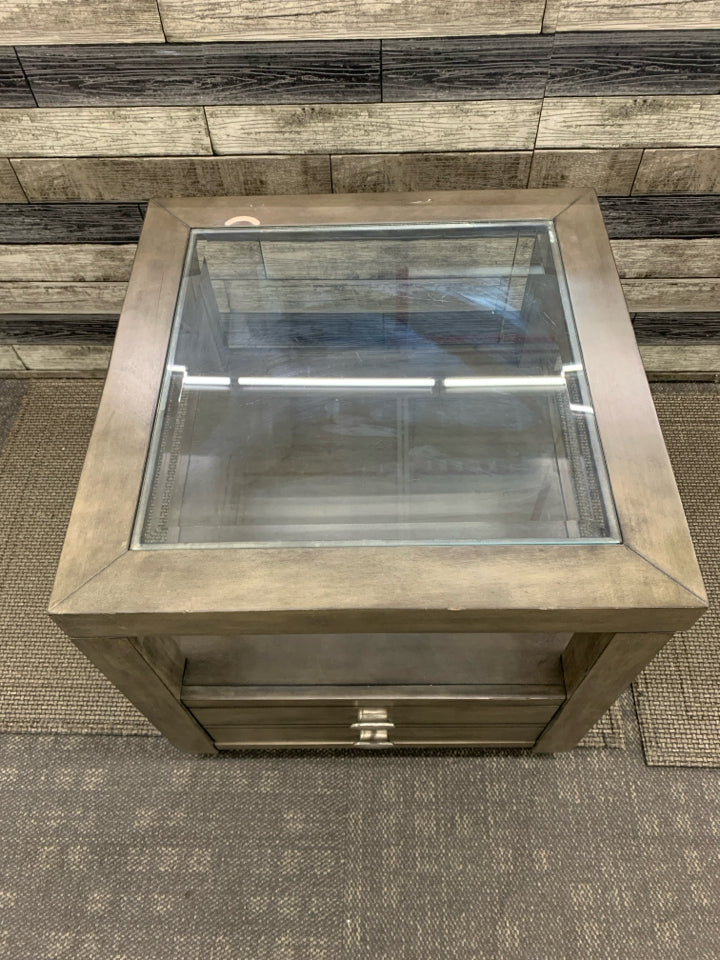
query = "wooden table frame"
x=620 y=601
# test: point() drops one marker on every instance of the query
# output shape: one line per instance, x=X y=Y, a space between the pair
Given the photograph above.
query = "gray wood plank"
x=80 y=261
x=700 y=359
x=630 y=122
x=14 y=89
x=609 y=15
x=633 y=63
x=70 y=223
x=9 y=360
x=667 y=258
x=371 y=173
x=104 y=131
x=10 y=189
x=199 y=20
x=139 y=178
x=608 y=172
x=38 y=297
x=657 y=328
x=58 y=328
x=661 y=216
x=375 y=127
x=177 y=74
x=692 y=170
x=91 y=21
x=475 y=68
x=670 y=295
x=36 y=356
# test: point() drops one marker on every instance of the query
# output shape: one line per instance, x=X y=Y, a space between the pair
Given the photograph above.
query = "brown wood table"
x=376 y=470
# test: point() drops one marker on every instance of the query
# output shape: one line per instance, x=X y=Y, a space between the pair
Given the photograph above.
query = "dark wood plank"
x=473 y=68
x=371 y=173
x=234 y=73
x=689 y=170
x=14 y=89
x=57 y=328
x=70 y=223
x=634 y=63
x=662 y=327
x=627 y=218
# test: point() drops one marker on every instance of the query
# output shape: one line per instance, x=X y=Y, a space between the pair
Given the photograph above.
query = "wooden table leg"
x=598 y=667
x=148 y=673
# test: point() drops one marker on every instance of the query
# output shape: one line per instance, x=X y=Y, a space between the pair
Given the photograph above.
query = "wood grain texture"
x=633 y=63
x=14 y=89
x=324 y=71
x=198 y=20
x=58 y=328
x=109 y=131
x=700 y=359
x=693 y=170
x=671 y=295
x=58 y=357
x=144 y=177
x=629 y=122
x=638 y=15
x=667 y=258
x=661 y=216
x=52 y=262
x=90 y=21
x=378 y=172
x=477 y=68
x=608 y=172
x=70 y=223
x=550 y=17
x=10 y=189
x=659 y=328
x=38 y=297
x=378 y=127
x=9 y=360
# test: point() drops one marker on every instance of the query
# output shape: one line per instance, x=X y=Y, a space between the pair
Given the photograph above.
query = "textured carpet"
x=121 y=847
x=678 y=695
x=46 y=685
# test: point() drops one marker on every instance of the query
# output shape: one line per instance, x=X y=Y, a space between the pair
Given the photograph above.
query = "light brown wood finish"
x=358 y=173
x=699 y=362
x=629 y=122
x=10 y=189
x=53 y=262
x=64 y=357
x=609 y=668
x=195 y=20
x=109 y=131
x=129 y=671
x=667 y=258
x=71 y=298
x=89 y=21
x=139 y=178
x=638 y=15
x=608 y=172
x=379 y=127
x=693 y=170
x=672 y=296
x=9 y=360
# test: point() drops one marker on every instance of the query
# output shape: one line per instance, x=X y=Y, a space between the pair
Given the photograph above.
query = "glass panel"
x=374 y=385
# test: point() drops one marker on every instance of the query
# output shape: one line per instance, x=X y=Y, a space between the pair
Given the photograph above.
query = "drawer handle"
x=373 y=726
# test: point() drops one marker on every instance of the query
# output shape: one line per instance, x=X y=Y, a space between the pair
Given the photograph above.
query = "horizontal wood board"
x=661 y=216
x=378 y=172
x=70 y=223
x=610 y=15
x=608 y=172
x=87 y=21
x=40 y=297
x=10 y=189
x=665 y=326
x=65 y=328
x=78 y=261
x=14 y=88
x=690 y=170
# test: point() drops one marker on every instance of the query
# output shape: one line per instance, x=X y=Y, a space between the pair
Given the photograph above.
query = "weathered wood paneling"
x=679 y=171
x=76 y=262
x=144 y=177
x=638 y=14
x=672 y=295
x=79 y=21
x=9 y=360
x=478 y=68
x=380 y=127
x=330 y=71
x=627 y=218
x=70 y=223
x=667 y=258
x=629 y=122
x=10 y=189
x=197 y=20
x=608 y=172
x=38 y=297
x=648 y=62
x=377 y=172
x=14 y=89
x=109 y=131
x=57 y=328
x=659 y=327
x=36 y=356
x=674 y=359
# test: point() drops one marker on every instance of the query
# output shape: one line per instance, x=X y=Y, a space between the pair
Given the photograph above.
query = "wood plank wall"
x=105 y=103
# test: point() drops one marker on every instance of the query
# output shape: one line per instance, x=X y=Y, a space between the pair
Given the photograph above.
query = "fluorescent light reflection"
x=341 y=383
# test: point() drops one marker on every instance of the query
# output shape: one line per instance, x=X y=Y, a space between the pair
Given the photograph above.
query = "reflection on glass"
x=374 y=385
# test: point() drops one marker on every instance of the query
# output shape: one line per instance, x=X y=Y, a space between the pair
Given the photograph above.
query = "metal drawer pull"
x=373 y=725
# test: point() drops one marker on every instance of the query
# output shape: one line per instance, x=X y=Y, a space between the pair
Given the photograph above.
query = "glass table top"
x=374 y=385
